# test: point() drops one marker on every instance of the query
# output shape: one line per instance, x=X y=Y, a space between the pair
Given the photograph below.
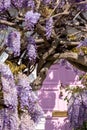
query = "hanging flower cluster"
x=20 y=3
x=23 y=3
x=10 y=114
x=13 y=42
x=4 y=4
x=37 y=26
x=49 y=27
x=31 y=48
x=77 y=103
x=21 y=110
x=31 y=18
x=77 y=109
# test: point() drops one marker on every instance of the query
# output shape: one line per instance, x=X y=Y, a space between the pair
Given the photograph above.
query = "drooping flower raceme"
x=18 y=99
x=31 y=18
x=31 y=48
x=5 y=71
x=10 y=115
x=27 y=99
x=4 y=4
x=77 y=109
x=26 y=122
x=7 y=3
x=13 y=42
x=23 y=90
x=1 y=118
x=20 y=3
x=31 y=4
x=49 y=27
x=24 y=3
x=37 y=113
x=1 y=5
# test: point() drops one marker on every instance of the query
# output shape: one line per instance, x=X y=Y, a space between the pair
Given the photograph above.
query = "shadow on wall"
x=47 y=100
x=58 y=72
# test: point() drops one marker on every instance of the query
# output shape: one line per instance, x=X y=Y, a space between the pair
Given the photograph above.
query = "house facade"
x=51 y=98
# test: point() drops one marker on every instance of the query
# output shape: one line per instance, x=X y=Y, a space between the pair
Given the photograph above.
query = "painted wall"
x=50 y=99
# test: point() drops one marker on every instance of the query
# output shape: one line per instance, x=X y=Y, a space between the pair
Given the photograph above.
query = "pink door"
x=50 y=97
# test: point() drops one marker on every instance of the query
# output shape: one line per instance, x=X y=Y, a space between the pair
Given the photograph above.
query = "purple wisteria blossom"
x=49 y=27
x=13 y=42
x=26 y=122
x=1 y=5
x=37 y=113
x=4 y=4
x=7 y=3
x=26 y=98
x=1 y=119
x=82 y=6
x=8 y=84
x=77 y=109
x=24 y=3
x=10 y=118
x=31 y=4
x=82 y=43
x=31 y=18
x=5 y=71
x=31 y=49
x=20 y=3
x=10 y=121
x=25 y=91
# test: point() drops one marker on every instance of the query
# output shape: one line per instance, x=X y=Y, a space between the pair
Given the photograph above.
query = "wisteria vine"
x=38 y=33
x=21 y=106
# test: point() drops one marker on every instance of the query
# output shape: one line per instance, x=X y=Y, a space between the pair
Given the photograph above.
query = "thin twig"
x=8 y=23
